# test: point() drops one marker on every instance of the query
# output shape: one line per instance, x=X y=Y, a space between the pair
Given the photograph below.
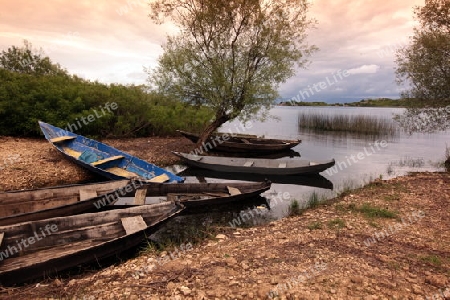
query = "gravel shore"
x=388 y=240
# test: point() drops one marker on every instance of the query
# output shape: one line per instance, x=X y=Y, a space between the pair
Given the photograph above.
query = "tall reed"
x=359 y=124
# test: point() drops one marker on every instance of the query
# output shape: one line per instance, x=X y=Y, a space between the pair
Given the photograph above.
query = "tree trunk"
x=205 y=136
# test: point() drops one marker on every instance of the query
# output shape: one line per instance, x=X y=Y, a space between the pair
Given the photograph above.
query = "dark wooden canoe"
x=256 y=165
x=243 y=143
x=199 y=194
x=59 y=243
x=313 y=180
x=103 y=159
x=60 y=201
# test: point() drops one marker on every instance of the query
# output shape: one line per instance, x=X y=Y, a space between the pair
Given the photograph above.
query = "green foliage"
x=64 y=101
x=424 y=64
x=432 y=259
x=447 y=158
x=315 y=200
x=28 y=61
x=370 y=212
x=380 y=102
x=294 y=208
x=336 y=223
x=314 y=226
x=230 y=55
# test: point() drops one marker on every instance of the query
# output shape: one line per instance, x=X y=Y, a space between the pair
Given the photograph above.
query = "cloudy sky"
x=111 y=41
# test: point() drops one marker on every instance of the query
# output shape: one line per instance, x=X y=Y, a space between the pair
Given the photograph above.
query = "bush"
x=62 y=99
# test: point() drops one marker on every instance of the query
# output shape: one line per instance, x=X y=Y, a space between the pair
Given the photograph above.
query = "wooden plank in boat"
x=233 y=191
x=99 y=162
x=72 y=152
x=62 y=139
x=139 y=196
x=87 y=194
x=2 y=234
x=133 y=224
x=282 y=165
x=121 y=172
x=248 y=163
x=159 y=179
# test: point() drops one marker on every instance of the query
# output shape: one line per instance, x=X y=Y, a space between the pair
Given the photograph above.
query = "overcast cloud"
x=111 y=41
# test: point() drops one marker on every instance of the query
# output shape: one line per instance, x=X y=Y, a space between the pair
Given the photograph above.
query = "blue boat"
x=103 y=159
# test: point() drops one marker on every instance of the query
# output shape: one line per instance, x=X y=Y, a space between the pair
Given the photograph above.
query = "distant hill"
x=380 y=102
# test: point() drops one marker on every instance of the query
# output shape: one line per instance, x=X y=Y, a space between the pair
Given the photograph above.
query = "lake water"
x=359 y=159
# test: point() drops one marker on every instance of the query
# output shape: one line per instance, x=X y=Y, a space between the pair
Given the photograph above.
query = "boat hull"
x=252 y=145
x=78 y=240
x=255 y=165
x=194 y=195
x=38 y=204
x=103 y=159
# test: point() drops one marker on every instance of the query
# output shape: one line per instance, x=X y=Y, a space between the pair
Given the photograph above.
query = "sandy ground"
x=333 y=251
x=35 y=163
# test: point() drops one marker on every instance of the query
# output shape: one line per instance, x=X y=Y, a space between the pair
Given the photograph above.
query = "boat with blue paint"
x=103 y=159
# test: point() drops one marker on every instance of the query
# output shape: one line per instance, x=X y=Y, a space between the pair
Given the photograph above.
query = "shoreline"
x=323 y=253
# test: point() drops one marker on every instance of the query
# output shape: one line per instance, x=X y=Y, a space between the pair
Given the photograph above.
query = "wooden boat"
x=198 y=194
x=41 y=248
x=312 y=180
x=103 y=159
x=243 y=143
x=38 y=204
x=256 y=165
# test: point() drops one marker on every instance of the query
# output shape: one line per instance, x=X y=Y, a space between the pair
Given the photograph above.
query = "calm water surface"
x=401 y=153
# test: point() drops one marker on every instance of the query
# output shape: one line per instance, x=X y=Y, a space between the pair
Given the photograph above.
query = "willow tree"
x=230 y=55
x=424 y=64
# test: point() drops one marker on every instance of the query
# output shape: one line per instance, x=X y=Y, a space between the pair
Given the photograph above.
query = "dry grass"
x=358 y=124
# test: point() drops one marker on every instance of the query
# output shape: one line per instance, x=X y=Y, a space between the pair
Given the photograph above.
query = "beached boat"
x=256 y=165
x=313 y=180
x=103 y=159
x=242 y=143
x=193 y=195
x=60 y=201
x=38 y=249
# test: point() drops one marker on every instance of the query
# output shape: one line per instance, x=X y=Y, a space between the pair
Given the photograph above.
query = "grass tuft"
x=315 y=200
x=336 y=223
x=370 y=212
x=432 y=259
x=314 y=226
x=295 y=209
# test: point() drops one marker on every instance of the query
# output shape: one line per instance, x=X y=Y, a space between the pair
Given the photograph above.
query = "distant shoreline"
x=382 y=102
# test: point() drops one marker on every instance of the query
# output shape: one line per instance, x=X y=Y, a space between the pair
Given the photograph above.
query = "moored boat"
x=256 y=165
x=251 y=144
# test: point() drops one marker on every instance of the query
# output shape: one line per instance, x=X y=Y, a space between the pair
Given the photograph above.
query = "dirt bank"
x=388 y=240
x=34 y=163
